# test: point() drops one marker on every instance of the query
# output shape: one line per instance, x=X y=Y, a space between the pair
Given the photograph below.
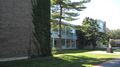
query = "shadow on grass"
x=81 y=51
x=76 y=51
x=87 y=61
x=63 y=61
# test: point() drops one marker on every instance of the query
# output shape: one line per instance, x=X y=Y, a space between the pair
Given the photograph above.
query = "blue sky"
x=105 y=10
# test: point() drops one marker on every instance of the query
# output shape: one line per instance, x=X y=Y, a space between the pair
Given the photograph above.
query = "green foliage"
x=104 y=38
x=80 y=38
x=91 y=30
x=69 y=9
x=55 y=51
x=88 y=33
x=114 y=34
x=41 y=22
x=65 y=10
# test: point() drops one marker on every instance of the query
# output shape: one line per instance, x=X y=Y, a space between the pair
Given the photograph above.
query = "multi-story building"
x=68 y=37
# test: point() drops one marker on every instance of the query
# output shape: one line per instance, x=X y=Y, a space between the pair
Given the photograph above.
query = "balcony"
x=64 y=35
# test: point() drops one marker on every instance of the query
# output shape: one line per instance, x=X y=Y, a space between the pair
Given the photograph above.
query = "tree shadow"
x=76 y=51
x=39 y=62
x=63 y=61
x=84 y=60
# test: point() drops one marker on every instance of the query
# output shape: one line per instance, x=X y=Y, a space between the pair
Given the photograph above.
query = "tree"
x=90 y=31
x=114 y=34
x=65 y=10
x=80 y=38
x=41 y=22
x=104 y=38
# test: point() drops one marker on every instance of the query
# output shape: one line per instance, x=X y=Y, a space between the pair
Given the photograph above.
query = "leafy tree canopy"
x=114 y=34
x=89 y=31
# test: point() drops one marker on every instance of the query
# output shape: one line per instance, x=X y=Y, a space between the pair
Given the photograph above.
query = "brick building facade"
x=15 y=27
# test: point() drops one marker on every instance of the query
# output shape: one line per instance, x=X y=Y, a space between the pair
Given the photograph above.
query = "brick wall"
x=15 y=27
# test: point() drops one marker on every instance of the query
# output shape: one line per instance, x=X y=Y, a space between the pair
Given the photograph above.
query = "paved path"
x=112 y=63
x=102 y=52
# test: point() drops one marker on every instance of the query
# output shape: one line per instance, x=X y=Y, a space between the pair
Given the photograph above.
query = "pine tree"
x=65 y=10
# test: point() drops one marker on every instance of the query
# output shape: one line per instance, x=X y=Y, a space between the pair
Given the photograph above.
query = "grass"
x=71 y=58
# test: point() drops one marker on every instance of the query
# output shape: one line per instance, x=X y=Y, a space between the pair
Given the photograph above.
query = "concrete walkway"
x=112 y=63
x=102 y=52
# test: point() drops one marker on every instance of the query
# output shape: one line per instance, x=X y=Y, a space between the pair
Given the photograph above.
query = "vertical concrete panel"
x=15 y=27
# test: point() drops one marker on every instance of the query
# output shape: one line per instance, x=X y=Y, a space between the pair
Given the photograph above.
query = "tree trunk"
x=41 y=21
x=60 y=34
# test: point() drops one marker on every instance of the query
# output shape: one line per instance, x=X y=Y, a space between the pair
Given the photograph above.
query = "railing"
x=64 y=35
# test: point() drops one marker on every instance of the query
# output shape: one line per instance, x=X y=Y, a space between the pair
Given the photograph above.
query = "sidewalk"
x=102 y=52
x=112 y=63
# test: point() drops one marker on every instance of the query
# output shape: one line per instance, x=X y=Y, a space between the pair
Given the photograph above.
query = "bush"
x=55 y=51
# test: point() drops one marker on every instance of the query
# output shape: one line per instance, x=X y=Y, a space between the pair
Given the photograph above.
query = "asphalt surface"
x=111 y=63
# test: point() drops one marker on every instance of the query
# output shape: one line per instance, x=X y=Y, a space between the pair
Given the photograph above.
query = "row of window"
x=66 y=43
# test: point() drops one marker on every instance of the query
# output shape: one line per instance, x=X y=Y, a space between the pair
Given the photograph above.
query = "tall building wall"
x=15 y=27
x=102 y=25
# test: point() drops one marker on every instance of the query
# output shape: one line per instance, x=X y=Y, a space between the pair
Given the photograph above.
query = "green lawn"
x=71 y=58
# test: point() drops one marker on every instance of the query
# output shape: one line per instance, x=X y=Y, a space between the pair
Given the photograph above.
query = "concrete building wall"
x=15 y=27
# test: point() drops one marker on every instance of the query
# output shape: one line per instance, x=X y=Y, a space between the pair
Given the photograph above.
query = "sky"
x=105 y=10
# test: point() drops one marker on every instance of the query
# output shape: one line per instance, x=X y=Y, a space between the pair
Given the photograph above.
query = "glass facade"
x=68 y=38
x=66 y=43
